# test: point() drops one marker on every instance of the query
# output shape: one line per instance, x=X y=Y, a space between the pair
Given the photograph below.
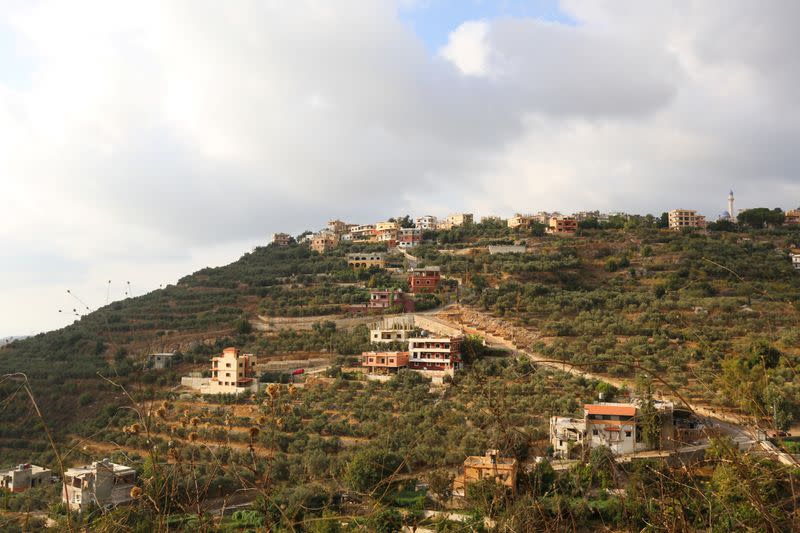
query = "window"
x=627 y=433
x=594 y=432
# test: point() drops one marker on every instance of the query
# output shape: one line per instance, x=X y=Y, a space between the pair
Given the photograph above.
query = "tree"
x=369 y=468
x=441 y=485
x=387 y=520
x=243 y=325
x=649 y=417
x=760 y=217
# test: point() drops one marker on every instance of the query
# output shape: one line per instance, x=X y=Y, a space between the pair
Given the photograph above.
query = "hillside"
x=715 y=316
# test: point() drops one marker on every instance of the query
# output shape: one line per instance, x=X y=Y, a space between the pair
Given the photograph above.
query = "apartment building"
x=427 y=222
x=367 y=260
x=101 y=483
x=281 y=239
x=363 y=233
x=520 y=221
x=384 y=362
x=502 y=470
x=685 y=218
x=435 y=353
x=409 y=238
x=425 y=279
x=792 y=217
x=459 y=219
x=24 y=477
x=232 y=373
x=324 y=241
x=559 y=225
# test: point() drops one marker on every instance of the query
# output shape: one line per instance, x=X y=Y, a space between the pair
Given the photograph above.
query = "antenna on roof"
x=108 y=291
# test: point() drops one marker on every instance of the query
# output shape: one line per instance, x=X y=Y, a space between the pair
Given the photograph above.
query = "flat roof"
x=482 y=460
x=611 y=409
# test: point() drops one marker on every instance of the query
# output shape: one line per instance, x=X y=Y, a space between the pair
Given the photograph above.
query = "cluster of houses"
x=100 y=483
x=431 y=347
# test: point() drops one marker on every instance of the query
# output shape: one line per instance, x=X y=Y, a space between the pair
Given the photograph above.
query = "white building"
x=392 y=329
x=24 y=477
x=232 y=373
x=161 y=360
x=685 y=218
x=566 y=433
x=427 y=222
x=101 y=483
x=795 y=261
x=438 y=354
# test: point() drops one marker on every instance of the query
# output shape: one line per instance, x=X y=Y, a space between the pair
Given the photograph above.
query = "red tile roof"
x=618 y=410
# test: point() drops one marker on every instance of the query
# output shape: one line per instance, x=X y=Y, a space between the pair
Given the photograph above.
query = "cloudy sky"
x=140 y=141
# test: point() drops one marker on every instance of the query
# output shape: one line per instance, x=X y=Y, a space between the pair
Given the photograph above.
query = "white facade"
x=566 y=433
x=102 y=483
x=394 y=329
x=427 y=222
x=795 y=261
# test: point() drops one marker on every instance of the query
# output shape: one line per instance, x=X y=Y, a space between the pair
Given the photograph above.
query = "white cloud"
x=166 y=134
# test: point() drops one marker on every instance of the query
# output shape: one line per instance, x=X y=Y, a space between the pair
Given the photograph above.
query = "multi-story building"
x=24 y=477
x=792 y=217
x=387 y=362
x=427 y=222
x=363 y=233
x=101 y=483
x=543 y=217
x=618 y=427
x=409 y=237
x=685 y=218
x=795 y=260
x=281 y=239
x=367 y=260
x=324 y=241
x=425 y=279
x=562 y=225
x=387 y=298
x=520 y=221
x=459 y=219
x=435 y=353
x=232 y=373
x=502 y=470
x=337 y=227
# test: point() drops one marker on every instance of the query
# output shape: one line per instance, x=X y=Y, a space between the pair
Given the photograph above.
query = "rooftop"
x=618 y=409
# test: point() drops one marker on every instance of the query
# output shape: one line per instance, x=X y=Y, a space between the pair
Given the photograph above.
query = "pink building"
x=384 y=361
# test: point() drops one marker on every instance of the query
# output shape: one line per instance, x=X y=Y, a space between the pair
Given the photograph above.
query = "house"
x=384 y=299
x=363 y=233
x=566 y=434
x=387 y=232
x=795 y=260
x=521 y=221
x=425 y=279
x=792 y=217
x=618 y=427
x=384 y=362
x=435 y=353
x=281 y=239
x=161 y=361
x=393 y=329
x=324 y=241
x=232 y=373
x=685 y=218
x=427 y=223
x=367 y=260
x=458 y=219
x=409 y=237
x=24 y=477
x=337 y=227
x=559 y=225
x=502 y=470
x=101 y=483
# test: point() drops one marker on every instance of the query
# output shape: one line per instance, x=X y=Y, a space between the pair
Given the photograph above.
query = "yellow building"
x=459 y=219
x=232 y=373
x=685 y=218
x=367 y=260
x=502 y=470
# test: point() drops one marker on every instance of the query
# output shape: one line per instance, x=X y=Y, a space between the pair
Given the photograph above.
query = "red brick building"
x=425 y=279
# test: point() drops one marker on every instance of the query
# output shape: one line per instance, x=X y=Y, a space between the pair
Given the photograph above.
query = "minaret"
x=730 y=205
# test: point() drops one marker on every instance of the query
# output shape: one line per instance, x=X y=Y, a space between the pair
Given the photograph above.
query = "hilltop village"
x=430 y=375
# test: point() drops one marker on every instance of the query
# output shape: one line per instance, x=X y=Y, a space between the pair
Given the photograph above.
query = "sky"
x=141 y=141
